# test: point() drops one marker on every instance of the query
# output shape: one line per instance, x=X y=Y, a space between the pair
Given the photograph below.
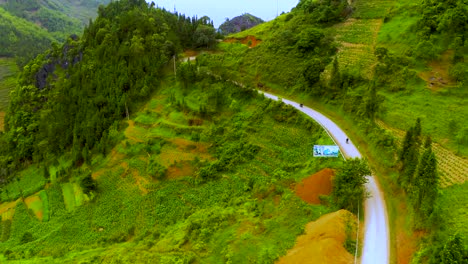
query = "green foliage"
x=87 y=183
x=116 y=64
x=26 y=238
x=425 y=190
x=453 y=251
x=348 y=185
x=5 y=230
x=156 y=170
x=325 y=11
x=21 y=37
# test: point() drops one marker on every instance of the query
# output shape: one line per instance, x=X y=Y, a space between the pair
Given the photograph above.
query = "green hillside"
x=109 y=158
x=116 y=151
x=388 y=63
x=29 y=27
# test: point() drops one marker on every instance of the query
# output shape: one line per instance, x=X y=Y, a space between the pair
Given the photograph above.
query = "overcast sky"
x=218 y=10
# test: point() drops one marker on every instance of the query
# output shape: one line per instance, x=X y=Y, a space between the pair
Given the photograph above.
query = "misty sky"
x=218 y=10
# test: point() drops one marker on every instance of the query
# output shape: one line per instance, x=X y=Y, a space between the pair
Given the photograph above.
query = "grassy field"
x=8 y=72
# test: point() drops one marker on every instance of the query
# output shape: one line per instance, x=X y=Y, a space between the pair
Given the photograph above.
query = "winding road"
x=376 y=247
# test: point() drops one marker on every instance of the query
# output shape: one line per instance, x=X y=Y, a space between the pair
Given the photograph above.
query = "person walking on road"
x=347 y=140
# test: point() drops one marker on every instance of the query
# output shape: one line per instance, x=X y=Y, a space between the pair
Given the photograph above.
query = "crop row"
x=452 y=168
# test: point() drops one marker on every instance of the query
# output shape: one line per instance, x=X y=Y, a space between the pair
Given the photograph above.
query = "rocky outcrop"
x=64 y=61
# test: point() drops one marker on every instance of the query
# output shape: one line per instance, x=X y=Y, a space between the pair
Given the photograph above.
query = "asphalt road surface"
x=376 y=234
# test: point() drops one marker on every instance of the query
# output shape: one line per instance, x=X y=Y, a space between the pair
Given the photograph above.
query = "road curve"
x=376 y=235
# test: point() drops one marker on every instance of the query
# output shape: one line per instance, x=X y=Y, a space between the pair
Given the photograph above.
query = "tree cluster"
x=418 y=174
x=328 y=11
x=70 y=98
x=348 y=185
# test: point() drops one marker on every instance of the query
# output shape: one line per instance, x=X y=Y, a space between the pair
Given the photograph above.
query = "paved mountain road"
x=376 y=235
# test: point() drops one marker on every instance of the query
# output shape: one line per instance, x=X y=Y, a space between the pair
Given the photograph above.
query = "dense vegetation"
x=115 y=64
x=29 y=27
x=21 y=37
x=99 y=173
x=389 y=85
x=239 y=23
x=95 y=172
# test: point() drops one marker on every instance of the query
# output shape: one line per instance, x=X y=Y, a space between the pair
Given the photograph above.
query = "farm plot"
x=452 y=169
x=39 y=204
x=357 y=38
x=358 y=31
x=8 y=72
x=73 y=195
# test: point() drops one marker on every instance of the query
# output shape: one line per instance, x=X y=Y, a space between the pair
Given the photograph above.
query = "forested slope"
x=29 y=27
x=106 y=157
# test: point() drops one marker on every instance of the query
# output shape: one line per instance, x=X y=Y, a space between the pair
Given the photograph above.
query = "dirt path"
x=323 y=241
x=376 y=247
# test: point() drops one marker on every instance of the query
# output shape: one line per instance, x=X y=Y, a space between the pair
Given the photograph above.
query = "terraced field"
x=358 y=38
x=453 y=169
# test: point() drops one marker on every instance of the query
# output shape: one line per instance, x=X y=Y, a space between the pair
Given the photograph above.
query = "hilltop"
x=239 y=23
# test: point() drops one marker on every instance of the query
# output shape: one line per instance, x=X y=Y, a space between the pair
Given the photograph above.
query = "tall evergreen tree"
x=426 y=183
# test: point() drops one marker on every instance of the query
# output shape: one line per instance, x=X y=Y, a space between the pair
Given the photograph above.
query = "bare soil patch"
x=181 y=169
x=323 y=241
x=312 y=187
x=250 y=41
x=190 y=53
x=438 y=77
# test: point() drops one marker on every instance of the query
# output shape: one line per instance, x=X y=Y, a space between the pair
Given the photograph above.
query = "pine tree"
x=426 y=183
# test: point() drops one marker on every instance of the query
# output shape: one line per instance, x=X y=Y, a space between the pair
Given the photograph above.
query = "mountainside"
x=115 y=149
x=29 y=27
x=239 y=23
x=390 y=64
x=112 y=159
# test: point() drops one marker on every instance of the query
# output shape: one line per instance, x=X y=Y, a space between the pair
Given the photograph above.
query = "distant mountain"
x=28 y=26
x=239 y=23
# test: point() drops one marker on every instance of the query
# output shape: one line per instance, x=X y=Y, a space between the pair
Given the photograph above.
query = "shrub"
x=26 y=238
x=156 y=170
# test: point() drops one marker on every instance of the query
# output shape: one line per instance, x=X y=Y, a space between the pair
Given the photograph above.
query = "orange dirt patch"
x=34 y=199
x=438 y=77
x=312 y=187
x=323 y=241
x=250 y=41
x=181 y=169
x=190 y=53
